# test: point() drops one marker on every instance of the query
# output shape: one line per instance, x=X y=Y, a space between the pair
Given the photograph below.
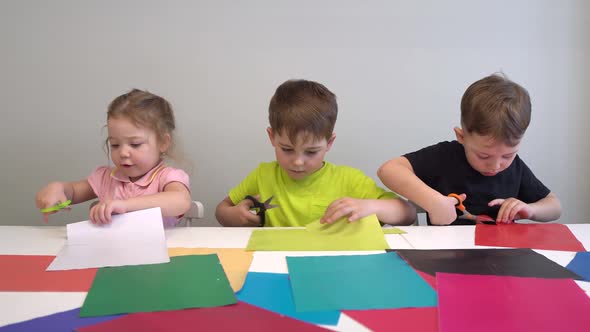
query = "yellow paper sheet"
x=364 y=234
x=235 y=262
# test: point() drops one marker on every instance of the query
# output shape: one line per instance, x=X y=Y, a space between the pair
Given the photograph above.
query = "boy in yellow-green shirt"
x=302 y=115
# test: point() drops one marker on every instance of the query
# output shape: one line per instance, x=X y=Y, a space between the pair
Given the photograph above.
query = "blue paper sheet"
x=581 y=265
x=358 y=282
x=272 y=291
x=61 y=321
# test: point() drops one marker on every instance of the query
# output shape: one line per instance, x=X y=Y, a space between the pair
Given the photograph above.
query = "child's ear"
x=271 y=135
x=331 y=141
x=165 y=143
x=459 y=134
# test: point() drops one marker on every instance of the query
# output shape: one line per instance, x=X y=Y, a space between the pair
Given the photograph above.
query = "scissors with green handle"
x=57 y=207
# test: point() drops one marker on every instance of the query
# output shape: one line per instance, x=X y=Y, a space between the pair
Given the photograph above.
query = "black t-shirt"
x=445 y=168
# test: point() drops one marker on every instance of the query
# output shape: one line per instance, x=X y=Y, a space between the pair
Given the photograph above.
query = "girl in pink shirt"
x=140 y=127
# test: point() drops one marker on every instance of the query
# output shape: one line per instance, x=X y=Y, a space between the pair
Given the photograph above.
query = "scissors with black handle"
x=261 y=207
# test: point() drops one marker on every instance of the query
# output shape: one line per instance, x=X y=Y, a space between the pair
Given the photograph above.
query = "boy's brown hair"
x=498 y=107
x=301 y=106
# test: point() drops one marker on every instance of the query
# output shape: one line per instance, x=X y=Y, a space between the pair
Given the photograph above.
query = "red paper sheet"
x=26 y=273
x=497 y=303
x=407 y=320
x=534 y=236
x=241 y=317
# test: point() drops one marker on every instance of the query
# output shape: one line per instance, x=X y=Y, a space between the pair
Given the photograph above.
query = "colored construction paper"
x=393 y=230
x=132 y=238
x=235 y=262
x=61 y=321
x=231 y=318
x=498 y=303
x=24 y=273
x=364 y=234
x=581 y=265
x=504 y=262
x=360 y=282
x=407 y=320
x=534 y=236
x=272 y=291
x=185 y=282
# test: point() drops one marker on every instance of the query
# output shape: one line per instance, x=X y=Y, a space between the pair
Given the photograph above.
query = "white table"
x=48 y=240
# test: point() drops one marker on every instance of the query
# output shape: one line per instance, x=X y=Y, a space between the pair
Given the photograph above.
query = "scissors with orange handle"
x=468 y=216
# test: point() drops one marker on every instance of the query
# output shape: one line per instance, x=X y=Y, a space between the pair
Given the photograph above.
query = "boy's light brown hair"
x=303 y=107
x=498 y=107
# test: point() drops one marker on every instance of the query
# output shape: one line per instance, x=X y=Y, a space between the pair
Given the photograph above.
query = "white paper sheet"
x=133 y=238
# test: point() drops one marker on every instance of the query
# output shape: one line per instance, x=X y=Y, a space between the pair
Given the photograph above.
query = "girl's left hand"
x=101 y=212
x=352 y=207
x=511 y=209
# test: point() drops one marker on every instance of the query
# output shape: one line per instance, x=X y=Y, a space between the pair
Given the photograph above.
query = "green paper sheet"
x=186 y=282
x=364 y=234
x=393 y=231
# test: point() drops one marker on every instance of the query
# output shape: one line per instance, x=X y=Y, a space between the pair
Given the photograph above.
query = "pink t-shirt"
x=110 y=183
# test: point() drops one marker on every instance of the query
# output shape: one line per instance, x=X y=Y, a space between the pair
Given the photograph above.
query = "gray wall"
x=399 y=69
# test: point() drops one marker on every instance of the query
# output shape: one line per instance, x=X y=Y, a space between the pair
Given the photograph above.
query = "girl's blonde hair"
x=148 y=110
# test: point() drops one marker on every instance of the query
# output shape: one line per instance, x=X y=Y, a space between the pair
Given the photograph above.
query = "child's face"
x=134 y=150
x=485 y=154
x=302 y=158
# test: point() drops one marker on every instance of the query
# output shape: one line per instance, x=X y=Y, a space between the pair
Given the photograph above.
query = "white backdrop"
x=399 y=69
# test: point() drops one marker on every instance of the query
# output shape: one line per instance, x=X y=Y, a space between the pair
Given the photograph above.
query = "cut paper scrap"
x=235 y=262
x=534 y=236
x=272 y=291
x=392 y=230
x=505 y=262
x=581 y=265
x=407 y=320
x=493 y=303
x=24 y=273
x=186 y=282
x=238 y=317
x=359 y=282
x=61 y=321
x=364 y=234
x=133 y=238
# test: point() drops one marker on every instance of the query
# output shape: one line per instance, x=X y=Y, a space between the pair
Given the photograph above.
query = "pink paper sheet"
x=497 y=303
x=241 y=317
x=407 y=320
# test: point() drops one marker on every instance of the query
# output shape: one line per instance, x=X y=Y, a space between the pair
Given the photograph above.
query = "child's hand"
x=101 y=212
x=352 y=208
x=443 y=212
x=511 y=209
x=242 y=213
x=49 y=196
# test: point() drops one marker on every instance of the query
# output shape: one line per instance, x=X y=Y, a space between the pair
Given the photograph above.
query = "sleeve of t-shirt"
x=366 y=188
x=97 y=180
x=531 y=188
x=170 y=174
x=248 y=186
x=427 y=161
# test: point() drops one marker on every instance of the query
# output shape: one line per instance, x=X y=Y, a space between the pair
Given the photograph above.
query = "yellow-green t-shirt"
x=301 y=202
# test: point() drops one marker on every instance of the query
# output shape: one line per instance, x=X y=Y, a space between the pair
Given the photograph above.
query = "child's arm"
x=55 y=192
x=175 y=200
x=398 y=175
x=239 y=215
x=545 y=209
x=389 y=211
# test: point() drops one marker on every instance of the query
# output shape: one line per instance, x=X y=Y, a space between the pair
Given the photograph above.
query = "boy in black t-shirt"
x=482 y=165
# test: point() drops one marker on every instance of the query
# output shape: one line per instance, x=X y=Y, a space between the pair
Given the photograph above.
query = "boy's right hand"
x=49 y=196
x=443 y=211
x=242 y=213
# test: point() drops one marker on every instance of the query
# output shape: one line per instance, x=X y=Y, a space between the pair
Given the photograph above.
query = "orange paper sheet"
x=26 y=273
x=235 y=262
